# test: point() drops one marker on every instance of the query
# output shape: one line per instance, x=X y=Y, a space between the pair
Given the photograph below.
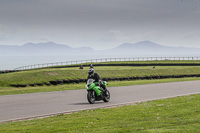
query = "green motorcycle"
x=95 y=92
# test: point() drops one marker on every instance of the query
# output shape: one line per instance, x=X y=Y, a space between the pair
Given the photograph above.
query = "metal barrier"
x=35 y=66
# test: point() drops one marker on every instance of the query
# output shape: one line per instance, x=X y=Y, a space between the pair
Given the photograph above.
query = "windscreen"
x=90 y=81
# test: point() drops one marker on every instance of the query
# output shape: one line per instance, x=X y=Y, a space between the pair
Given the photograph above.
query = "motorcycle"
x=95 y=92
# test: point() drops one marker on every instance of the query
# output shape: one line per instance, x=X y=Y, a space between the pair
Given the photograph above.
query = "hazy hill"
x=142 y=48
x=140 y=45
x=49 y=48
x=149 y=48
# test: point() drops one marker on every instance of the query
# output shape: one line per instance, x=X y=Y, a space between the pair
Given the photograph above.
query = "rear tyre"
x=91 y=97
x=106 y=96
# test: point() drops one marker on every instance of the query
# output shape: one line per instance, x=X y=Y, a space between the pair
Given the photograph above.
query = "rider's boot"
x=105 y=90
x=102 y=95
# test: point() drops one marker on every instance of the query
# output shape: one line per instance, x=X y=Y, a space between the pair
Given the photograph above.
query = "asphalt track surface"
x=27 y=106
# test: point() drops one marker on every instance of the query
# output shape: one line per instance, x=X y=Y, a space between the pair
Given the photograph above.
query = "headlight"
x=86 y=86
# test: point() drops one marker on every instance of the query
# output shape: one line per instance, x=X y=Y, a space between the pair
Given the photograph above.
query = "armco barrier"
x=35 y=66
x=76 y=81
x=146 y=64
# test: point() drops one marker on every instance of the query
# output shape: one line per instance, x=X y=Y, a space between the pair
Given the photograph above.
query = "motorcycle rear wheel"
x=106 y=96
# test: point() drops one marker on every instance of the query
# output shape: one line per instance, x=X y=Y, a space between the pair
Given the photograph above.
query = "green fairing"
x=95 y=88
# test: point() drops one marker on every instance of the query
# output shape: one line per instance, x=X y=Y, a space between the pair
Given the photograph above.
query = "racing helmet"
x=91 y=71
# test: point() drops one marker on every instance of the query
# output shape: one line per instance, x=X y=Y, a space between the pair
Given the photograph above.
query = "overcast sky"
x=100 y=24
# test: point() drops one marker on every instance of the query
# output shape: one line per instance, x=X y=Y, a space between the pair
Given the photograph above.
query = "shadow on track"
x=86 y=103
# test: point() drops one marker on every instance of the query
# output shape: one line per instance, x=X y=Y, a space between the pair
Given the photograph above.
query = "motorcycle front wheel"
x=91 y=97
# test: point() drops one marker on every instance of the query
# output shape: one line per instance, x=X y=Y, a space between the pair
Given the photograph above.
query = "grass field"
x=46 y=75
x=180 y=114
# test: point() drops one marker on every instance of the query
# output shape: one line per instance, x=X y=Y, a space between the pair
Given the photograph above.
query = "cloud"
x=112 y=35
x=95 y=22
x=6 y=32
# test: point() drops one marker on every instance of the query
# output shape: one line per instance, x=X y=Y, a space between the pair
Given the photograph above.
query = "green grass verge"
x=48 y=74
x=142 y=62
x=11 y=90
x=180 y=114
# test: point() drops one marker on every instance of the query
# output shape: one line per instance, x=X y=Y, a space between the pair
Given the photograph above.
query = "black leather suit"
x=97 y=78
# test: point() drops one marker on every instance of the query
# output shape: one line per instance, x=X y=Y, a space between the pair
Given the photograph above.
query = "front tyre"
x=106 y=96
x=91 y=97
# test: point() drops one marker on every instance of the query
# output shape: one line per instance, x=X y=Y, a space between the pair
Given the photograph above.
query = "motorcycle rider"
x=96 y=77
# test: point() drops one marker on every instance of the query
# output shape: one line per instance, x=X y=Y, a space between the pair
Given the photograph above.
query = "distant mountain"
x=49 y=48
x=150 y=48
x=142 y=48
x=140 y=45
x=45 y=45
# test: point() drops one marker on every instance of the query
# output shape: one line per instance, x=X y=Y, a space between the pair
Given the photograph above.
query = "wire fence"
x=35 y=66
